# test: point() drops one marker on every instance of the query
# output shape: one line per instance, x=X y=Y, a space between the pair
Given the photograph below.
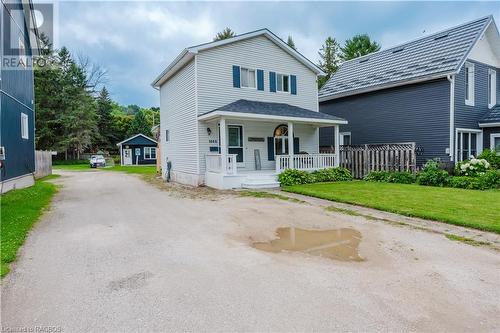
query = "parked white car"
x=97 y=161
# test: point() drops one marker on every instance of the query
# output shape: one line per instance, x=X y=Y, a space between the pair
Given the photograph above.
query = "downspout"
x=451 y=79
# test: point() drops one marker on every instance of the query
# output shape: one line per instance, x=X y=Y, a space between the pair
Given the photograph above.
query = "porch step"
x=261 y=181
x=256 y=185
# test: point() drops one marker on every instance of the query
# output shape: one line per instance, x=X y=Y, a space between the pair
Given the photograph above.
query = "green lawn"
x=20 y=209
x=470 y=208
x=141 y=169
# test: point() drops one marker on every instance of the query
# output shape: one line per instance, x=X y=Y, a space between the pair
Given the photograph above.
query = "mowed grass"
x=140 y=169
x=469 y=208
x=19 y=210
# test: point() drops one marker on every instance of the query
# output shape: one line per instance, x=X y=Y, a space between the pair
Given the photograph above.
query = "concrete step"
x=257 y=185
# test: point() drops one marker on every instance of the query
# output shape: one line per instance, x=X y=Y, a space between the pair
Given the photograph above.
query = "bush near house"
x=493 y=158
x=474 y=174
x=295 y=177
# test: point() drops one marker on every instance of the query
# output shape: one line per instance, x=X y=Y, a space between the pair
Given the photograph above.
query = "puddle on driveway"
x=339 y=244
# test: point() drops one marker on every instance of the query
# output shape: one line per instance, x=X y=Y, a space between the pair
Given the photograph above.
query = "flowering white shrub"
x=473 y=167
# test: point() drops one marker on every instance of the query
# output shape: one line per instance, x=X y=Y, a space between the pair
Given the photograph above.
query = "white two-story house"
x=236 y=112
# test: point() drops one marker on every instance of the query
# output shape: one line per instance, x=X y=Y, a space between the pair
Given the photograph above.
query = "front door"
x=281 y=145
x=127 y=156
x=235 y=142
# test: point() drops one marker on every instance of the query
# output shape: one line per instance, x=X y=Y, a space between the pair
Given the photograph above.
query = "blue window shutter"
x=236 y=76
x=296 y=146
x=272 y=81
x=270 y=148
x=293 y=84
x=260 y=79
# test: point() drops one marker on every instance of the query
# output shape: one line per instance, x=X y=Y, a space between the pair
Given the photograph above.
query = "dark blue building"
x=17 y=114
x=138 y=150
x=439 y=91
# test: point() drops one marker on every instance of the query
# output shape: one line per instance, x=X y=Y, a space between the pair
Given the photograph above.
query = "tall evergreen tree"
x=358 y=46
x=291 y=43
x=105 y=120
x=224 y=34
x=140 y=125
x=329 y=59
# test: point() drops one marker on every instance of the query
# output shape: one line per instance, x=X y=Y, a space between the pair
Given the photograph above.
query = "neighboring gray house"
x=439 y=91
x=228 y=109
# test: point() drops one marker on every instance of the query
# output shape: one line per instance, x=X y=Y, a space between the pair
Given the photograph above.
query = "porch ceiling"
x=267 y=111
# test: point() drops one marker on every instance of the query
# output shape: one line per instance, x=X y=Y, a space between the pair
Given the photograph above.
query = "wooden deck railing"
x=214 y=163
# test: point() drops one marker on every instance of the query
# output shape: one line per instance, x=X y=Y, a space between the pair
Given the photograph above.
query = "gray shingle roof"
x=273 y=109
x=492 y=116
x=434 y=55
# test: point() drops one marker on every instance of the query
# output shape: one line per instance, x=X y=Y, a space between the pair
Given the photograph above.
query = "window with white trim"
x=282 y=82
x=24 y=126
x=345 y=138
x=495 y=142
x=248 y=78
x=149 y=153
x=492 y=85
x=469 y=143
x=469 y=84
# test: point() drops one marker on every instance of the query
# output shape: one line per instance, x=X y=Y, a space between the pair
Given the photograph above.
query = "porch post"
x=336 y=137
x=223 y=144
x=290 y=145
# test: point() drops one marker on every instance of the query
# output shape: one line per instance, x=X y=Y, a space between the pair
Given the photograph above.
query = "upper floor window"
x=282 y=82
x=492 y=84
x=469 y=84
x=248 y=78
x=24 y=126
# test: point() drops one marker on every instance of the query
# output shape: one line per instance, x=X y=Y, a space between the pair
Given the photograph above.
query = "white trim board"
x=135 y=136
x=490 y=124
x=253 y=116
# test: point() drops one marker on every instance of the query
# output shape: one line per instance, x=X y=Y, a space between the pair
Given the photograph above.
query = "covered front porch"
x=250 y=143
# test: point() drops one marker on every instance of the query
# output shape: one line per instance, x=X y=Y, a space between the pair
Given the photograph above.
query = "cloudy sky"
x=135 y=41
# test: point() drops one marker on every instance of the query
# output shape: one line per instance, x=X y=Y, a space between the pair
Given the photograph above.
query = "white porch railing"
x=214 y=163
x=307 y=162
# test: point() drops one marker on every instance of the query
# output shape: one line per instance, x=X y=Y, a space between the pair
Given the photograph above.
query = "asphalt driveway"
x=118 y=254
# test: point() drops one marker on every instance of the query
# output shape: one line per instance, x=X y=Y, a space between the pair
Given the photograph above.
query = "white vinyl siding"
x=178 y=114
x=469 y=84
x=24 y=126
x=492 y=87
x=215 y=81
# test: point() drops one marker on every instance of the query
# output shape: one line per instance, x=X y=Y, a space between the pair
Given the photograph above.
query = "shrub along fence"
x=43 y=163
x=363 y=159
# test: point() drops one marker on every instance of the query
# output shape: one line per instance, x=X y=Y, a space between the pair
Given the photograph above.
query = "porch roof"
x=491 y=117
x=256 y=110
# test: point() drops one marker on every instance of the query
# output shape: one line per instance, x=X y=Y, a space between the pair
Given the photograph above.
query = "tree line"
x=331 y=53
x=74 y=110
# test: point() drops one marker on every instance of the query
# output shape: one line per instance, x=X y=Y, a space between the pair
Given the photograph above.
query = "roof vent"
x=398 y=50
x=364 y=60
x=440 y=36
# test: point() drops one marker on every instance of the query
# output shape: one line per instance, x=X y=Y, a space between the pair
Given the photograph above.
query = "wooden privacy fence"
x=43 y=163
x=362 y=159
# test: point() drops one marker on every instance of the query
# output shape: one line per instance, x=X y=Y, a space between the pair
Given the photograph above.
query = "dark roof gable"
x=425 y=58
